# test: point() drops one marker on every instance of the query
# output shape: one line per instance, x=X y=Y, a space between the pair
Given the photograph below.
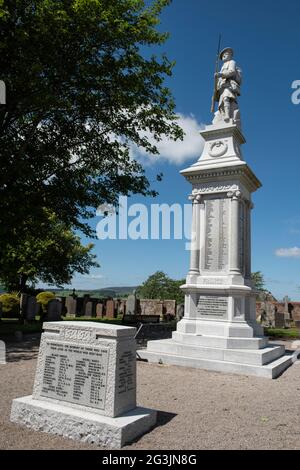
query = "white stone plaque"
x=212 y=306
x=216 y=234
x=75 y=373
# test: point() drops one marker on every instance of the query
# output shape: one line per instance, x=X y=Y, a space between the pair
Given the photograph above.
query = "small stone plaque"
x=212 y=306
x=75 y=373
x=216 y=235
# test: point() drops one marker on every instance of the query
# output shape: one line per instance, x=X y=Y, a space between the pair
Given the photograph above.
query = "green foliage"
x=258 y=280
x=49 y=252
x=282 y=332
x=160 y=286
x=10 y=305
x=81 y=89
x=44 y=298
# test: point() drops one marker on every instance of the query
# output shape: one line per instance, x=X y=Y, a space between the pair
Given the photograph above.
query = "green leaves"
x=160 y=286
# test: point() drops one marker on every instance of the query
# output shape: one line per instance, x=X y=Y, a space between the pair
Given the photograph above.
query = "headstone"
x=110 y=309
x=54 y=309
x=122 y=307
x=88 y=309
x=179 y=312
x=131 y=305
x=23 y=304
x=85 y=385
x=99 y=310
x=279 y=320
x=2 y=353
x=169 y=308
x=71 y=305
x=32 y=308
x=287 y=318
x=151 y=307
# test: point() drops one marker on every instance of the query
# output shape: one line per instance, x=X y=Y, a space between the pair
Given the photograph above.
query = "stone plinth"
x=219 y=329
x=85 y=385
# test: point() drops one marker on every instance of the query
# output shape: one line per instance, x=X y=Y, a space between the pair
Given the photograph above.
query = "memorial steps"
x=269 y=361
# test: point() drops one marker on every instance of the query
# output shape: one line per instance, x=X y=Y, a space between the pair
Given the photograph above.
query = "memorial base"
x=213 y=353
x=82 y=425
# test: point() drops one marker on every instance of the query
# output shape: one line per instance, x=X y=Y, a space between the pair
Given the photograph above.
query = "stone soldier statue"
x=228 y=82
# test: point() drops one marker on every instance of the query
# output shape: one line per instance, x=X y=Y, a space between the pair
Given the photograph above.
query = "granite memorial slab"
x=85 y=385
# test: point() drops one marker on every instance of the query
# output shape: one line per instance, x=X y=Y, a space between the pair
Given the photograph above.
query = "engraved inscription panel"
x=212 y=306
x=76 y=374
x=126 y=372
x=216 y=234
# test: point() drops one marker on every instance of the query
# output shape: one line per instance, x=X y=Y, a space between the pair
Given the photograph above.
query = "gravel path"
x=198 y=409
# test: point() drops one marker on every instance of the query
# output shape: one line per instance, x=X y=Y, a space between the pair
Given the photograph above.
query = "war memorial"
x=219 y=329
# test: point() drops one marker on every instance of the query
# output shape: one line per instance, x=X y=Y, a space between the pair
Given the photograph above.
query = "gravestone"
x=32 y=308
x=169 y=308
x=99 y=310
x=179 y=311
x=110 y=309
x=151 y=307
x=71 y=305
x=131 y=305
x=88 y=309
x=23 y=305
x=54 y=309
x=279 y=319
x=85 y=385
x=2 y=352
x=122 y=307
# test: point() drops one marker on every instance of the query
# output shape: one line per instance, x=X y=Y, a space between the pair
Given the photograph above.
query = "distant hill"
x=105 y=292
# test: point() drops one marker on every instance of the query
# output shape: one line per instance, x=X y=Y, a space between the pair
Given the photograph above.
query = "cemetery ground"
x=198 y=409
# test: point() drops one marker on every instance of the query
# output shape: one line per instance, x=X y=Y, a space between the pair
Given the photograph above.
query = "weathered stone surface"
x=32 y=308
x=2 y=352
x=131 y=305
x=54 y=309
x=71 y=304
x=110 y=309
x=169 y=307
x=85 y=385
x=151 y=307
x=99 y=310
x=82 y=426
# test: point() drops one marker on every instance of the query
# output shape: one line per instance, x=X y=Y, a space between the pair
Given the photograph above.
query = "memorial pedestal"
x=219 y=329
x=85 y=385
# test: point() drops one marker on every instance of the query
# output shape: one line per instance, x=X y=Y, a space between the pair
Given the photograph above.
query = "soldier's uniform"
x=228 y=88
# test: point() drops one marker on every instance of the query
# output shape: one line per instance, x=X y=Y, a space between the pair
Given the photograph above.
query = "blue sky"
x=265 y=36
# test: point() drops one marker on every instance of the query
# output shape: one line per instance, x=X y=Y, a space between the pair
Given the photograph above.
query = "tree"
x=160 y=286
x=81 y=90
x=49 y=252
x=258 y=280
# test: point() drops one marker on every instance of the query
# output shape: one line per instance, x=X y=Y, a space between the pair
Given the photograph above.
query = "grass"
x=282 y=332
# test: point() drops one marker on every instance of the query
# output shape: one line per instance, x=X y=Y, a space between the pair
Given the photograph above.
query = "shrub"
x=43 y=298
x=10 y=305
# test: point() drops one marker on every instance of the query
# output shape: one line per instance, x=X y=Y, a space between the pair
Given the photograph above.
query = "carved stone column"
x=194 y=260
x=234 y=262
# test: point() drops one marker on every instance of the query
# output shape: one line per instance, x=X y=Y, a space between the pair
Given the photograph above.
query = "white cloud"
x=288 y=252
x=178 y=151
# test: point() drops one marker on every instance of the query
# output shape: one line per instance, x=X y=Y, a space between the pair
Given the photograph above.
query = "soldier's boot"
x=226 y=111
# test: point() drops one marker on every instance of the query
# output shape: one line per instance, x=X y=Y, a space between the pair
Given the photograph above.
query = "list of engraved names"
x=212 y=305
x=216 y=235
x=76 y=374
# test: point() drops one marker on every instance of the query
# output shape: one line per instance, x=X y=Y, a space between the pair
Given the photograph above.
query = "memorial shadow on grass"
x=24 y=350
